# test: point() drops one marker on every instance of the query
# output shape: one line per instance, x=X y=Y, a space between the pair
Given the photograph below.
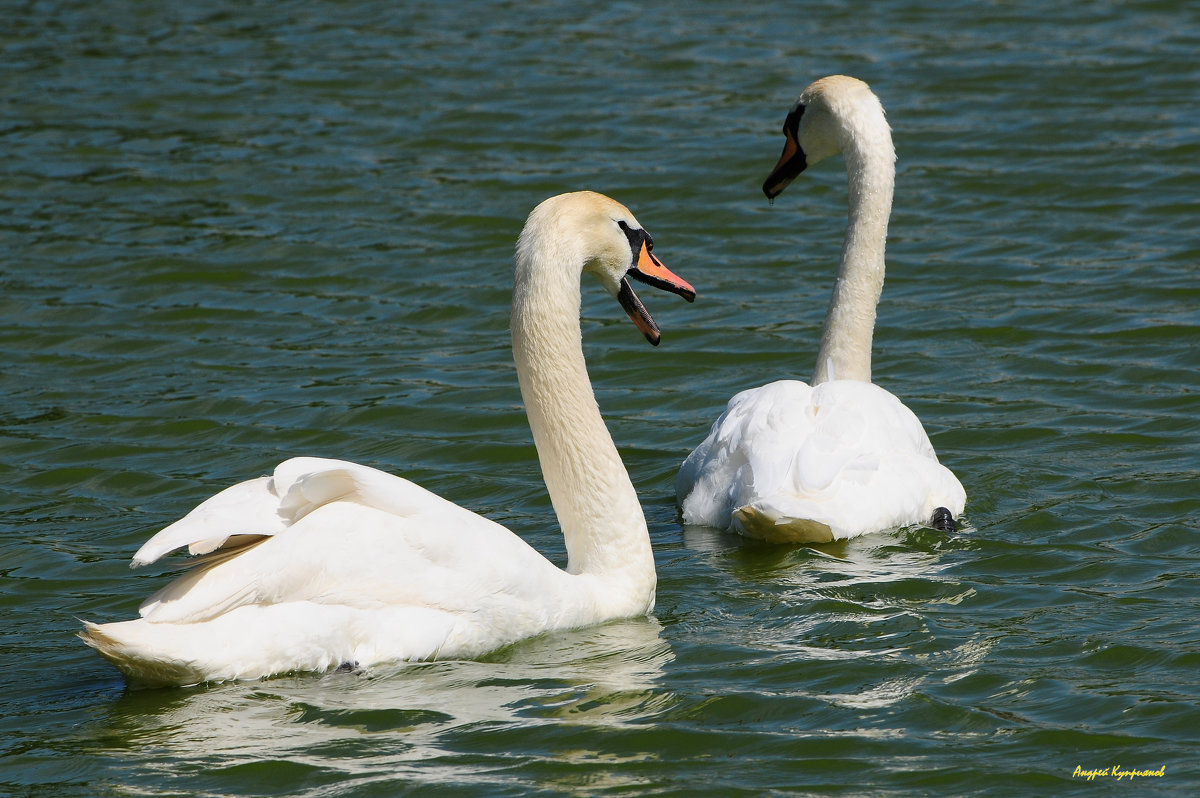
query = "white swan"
x=328 y=562
x=792 y=463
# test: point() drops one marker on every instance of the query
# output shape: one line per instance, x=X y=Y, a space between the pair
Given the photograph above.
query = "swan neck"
x=845 y=352
x=593 y=497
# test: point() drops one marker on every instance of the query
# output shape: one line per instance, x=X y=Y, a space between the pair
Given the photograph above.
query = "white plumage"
x=792 y=463
x=327 y=562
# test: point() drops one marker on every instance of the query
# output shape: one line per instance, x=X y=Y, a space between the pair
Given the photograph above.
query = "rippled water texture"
x=228 y=236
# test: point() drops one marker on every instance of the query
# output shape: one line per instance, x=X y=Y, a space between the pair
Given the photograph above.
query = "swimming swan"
x=792 y=463
x=326 y=562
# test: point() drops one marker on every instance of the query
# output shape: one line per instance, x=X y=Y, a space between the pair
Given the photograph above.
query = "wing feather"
x=847 y=455
x=248 y=508
x=348 y=535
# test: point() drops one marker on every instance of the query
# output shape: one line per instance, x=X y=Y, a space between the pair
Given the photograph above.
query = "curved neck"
x=594 y=500
x=845 y=352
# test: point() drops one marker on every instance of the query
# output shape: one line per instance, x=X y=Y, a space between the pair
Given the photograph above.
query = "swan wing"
x=746 y=447
x=347 y=583
x=346 y=535
x=268 y=505
x=248 y=508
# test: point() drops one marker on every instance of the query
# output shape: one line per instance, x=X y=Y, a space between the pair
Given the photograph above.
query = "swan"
x=327 y=563
x=797 y=463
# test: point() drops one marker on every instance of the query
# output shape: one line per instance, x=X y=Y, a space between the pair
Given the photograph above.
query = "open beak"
x=791 y=163
x=650 y=270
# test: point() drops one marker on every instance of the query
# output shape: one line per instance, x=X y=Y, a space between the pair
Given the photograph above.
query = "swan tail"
x=137 y=658
x=256 y=641
x=251 y=645
x=756 y=521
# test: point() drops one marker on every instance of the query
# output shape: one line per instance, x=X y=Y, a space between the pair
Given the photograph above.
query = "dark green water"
x=232 y=235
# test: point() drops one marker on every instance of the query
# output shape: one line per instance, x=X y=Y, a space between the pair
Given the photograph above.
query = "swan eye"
x=636 y=238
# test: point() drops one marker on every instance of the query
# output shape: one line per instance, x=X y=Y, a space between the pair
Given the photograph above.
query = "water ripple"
x=234 y=235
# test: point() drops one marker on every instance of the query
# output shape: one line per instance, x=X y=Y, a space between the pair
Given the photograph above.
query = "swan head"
x=603 y=238
x=830 y=114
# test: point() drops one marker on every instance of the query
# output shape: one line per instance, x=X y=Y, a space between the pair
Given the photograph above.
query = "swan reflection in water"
x=393 y=721
x=815 y=609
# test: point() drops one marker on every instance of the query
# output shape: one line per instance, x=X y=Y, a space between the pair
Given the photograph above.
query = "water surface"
x=233 y=234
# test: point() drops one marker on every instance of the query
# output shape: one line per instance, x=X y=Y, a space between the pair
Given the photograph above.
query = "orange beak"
x=651 y=271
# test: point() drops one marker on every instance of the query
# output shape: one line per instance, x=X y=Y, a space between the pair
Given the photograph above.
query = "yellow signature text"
x=1116 y=772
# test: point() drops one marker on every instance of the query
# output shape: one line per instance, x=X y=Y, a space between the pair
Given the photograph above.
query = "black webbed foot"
x=943 y=521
